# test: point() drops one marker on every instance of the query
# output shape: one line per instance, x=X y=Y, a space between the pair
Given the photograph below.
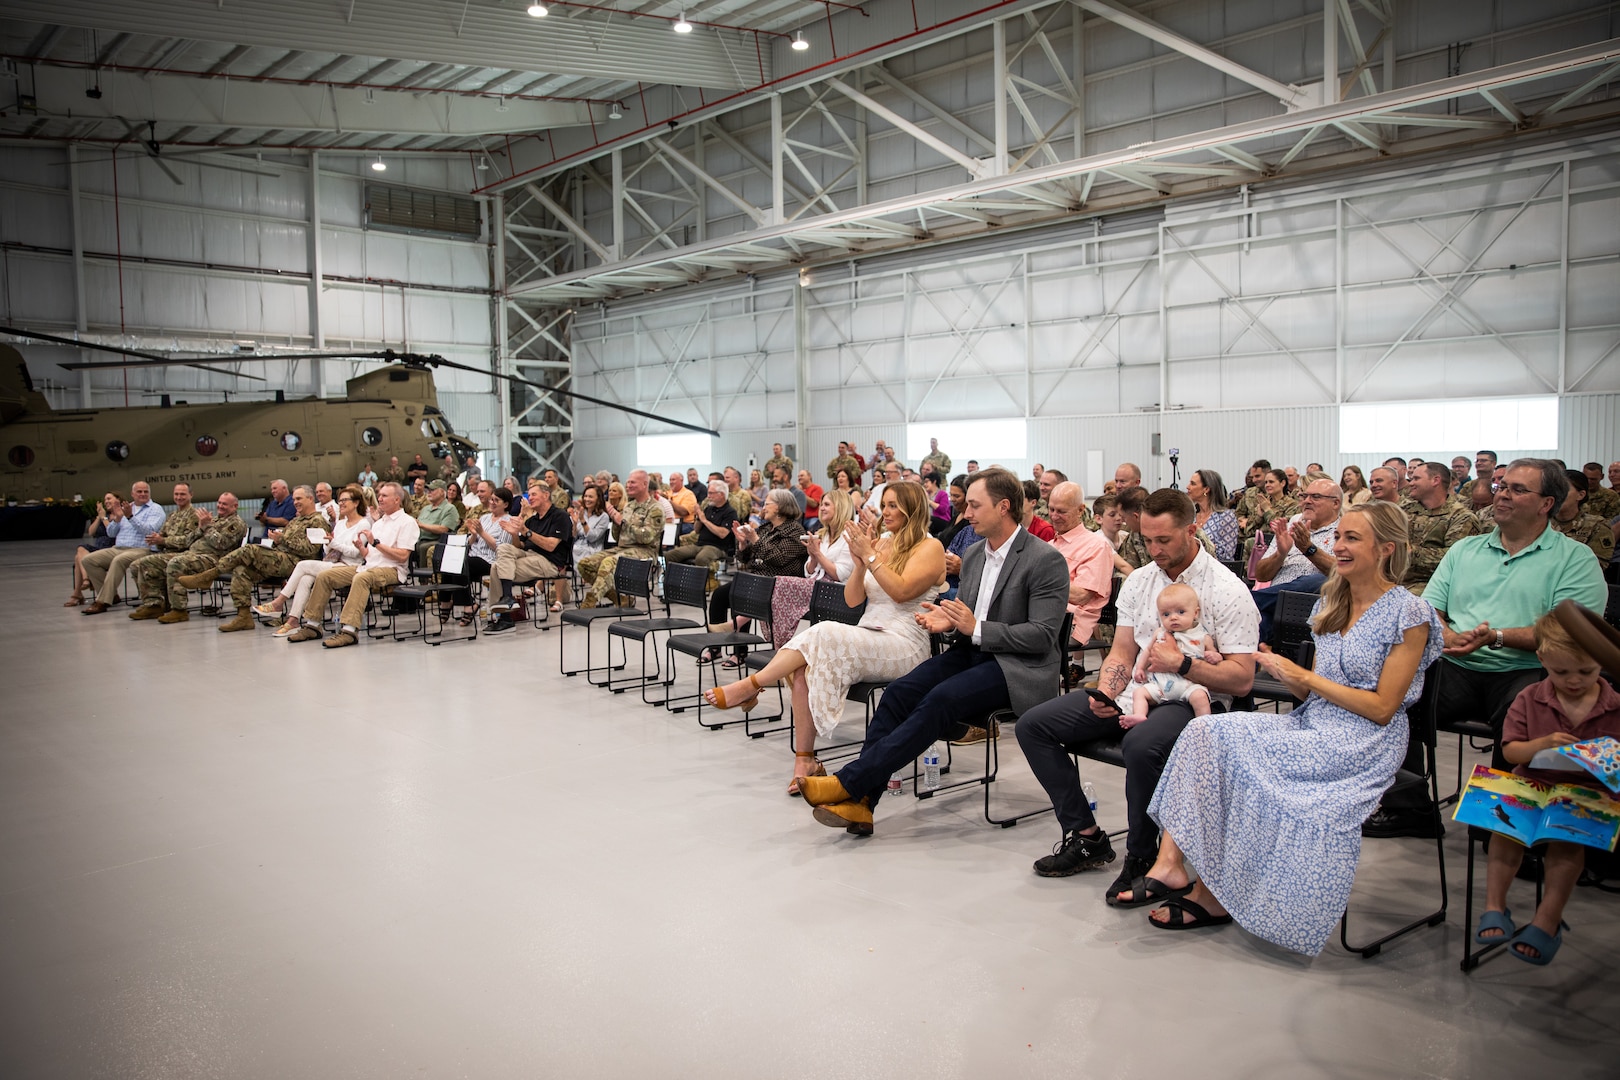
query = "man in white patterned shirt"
x=1301 y=552
x=1049 y=732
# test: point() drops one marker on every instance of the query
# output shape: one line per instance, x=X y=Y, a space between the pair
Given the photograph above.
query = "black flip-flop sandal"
x=1201 y=918
x=1144 y=891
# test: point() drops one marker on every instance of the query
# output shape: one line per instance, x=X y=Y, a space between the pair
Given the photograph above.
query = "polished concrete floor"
x=221 y=855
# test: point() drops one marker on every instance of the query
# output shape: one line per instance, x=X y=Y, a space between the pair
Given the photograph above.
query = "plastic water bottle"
x=1089 y=790
x=896 y=785
x=931 y=767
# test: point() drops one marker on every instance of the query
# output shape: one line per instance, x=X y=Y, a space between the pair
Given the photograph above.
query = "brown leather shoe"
x=173 y=616
x=147 y=611
x=338 y=640
x=978 y=735
x=822 y=790
x=853 y=816
x=243 y=621
x=200 y=580
x=94 y=609
x=304 y=633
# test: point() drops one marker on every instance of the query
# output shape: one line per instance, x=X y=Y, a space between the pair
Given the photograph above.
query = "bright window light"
x=662 y=453
x=985 y=441
x=1506 y=425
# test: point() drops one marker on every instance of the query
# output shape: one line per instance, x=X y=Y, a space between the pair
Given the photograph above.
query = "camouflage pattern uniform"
x=1431 y=534
x=158 y=572
x=844 y=461
x=1248 y=509
x=250 y=565
x=1487 y=518
x=941 y=461
x=561 y=497
x=1603 y=503
x=395 y=474
x=779 y=462
x=179 y=530
x=1592 y=531
x=1134 y=549
x=639 y=532
x=742 y=501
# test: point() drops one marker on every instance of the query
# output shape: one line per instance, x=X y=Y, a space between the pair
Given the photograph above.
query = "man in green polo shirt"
x=1488 y=591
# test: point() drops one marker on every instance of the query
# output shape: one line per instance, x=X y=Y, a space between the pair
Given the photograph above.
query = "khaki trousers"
x=360 y=583
x=514 y=565
x=106 y=569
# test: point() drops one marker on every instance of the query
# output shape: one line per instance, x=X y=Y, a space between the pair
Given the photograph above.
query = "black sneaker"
x=1421 y=822
x=1076 y=852
x=499 y=626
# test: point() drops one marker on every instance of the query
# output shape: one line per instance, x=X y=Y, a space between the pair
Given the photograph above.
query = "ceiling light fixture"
x=804 y=277
x=614 y=113
x=371 y=97
x=537 y=10
x=799 y=44
x=378 y=165
x=681 y=25
x=483 y=163
x=500 y=104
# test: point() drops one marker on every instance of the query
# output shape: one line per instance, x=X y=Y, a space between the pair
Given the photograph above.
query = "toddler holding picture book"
x=1573 y=704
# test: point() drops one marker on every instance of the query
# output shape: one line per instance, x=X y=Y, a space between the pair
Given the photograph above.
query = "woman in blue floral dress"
x=1268 y=809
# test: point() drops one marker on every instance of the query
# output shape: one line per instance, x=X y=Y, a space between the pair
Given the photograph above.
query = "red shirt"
x=1537 y=713
x=812 y=496
x=1041 y=529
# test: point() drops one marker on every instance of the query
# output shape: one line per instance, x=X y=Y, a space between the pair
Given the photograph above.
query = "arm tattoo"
x=1114 y=678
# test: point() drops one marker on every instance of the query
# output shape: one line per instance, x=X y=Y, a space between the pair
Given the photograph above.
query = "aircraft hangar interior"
x=1321 y=293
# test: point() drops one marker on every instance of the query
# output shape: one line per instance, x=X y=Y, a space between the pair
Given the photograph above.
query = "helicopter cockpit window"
x=20 y=456
x=290 y=440
x=117 y=450
x=371 y=436
x=439 y=449
x=431 y=427
x=207 y=445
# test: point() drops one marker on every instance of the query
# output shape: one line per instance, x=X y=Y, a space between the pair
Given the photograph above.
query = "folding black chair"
x=1472 y=958
x=684 y=586
x=428 y=588
x=1108 y=617
x=632 y=579
x=749 y=592
x=1290 y=636
x=1420 y=723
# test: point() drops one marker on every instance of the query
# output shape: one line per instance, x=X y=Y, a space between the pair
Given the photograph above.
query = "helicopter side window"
x=431 y=428
x=207 y=445
x=290 y=441
x=371 y=436
x=439 y=449
x=117 y=450
x=20 y=457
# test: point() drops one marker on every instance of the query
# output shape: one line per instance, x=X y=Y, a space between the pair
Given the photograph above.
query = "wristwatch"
x=1310 y=552
x=1186 y=666
x=1497 y=644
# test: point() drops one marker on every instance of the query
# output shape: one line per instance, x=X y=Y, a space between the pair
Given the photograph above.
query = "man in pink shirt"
x=1089 y=555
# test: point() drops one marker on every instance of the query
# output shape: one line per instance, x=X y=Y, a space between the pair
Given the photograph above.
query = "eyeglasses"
x=1310 y=496
x=1517 y=490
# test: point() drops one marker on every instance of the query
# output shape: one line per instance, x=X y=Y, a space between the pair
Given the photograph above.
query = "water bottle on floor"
x=931 y=767
x=896 y=785
x=1089 y=790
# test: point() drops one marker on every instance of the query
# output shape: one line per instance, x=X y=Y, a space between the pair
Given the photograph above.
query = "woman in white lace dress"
x=893 y=575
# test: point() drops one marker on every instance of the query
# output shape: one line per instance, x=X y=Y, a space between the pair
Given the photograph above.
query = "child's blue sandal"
x=1545 y=944
x=1495 y=920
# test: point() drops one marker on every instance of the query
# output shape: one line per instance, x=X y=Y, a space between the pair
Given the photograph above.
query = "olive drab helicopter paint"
x=237 y=446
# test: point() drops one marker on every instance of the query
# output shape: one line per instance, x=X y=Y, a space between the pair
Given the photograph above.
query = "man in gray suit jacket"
x=1005 y=653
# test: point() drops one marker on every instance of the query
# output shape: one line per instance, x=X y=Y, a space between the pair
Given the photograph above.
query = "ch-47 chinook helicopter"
x=238 y=446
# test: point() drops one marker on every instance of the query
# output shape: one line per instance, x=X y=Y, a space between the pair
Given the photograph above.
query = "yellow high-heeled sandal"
x=818 y=770
x=719 y=700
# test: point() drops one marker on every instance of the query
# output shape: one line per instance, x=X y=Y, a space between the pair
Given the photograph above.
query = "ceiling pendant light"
x=537 y=10
x=614 y=113
x=378 y=165
x=483 y=164
x=681 y=25
x=799 y=44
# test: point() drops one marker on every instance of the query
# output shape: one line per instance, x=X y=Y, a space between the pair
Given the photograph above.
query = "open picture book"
x=1533 y=812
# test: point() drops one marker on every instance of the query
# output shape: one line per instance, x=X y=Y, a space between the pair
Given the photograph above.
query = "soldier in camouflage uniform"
x=844 y=460
x=638 y=529
x=740 y=498
x=178 y=531
x=1433 y=529
x=1484 y=466
x=1261 y=505
x=250 y=565
x=941 y=461
x=560 y=496
x=160 y=573
x=1601 y=501
x=1573 y=521
x=778 y=460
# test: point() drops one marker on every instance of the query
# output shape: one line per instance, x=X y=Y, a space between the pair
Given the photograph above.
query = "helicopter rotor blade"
x=147 y=359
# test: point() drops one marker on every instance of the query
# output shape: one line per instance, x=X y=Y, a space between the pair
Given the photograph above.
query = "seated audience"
x=394 y=472
x=938 y=501
x=638 y=529
x=1354 y=484
x=278 y=509
x=1573 y=521
x=368 y=475
x=326 y=504
x=1111 y=526
x=890 y=472
x=1039 y=528
x=1599 y=499
x=1572 y=704
x=387 y=544
x=778 y=460
x=134 y=527
x=1459 y=473
x=757 y=487
x=177 y=534
x=829 y=556
x=960 y=537
x=417 y=470
x=716 y=536
x=539 y=548
x=95 y=531
x=1300 y=555
x=342 y=549
x=160 y=574
x=1489 y=590
x=1005 y=654
x=774 y=548
x=812 y=496
x=1436 y=519
x=1270 y=502
x=1484 y=468
x=1266 y=809
x=436 y=518
x=591 y=523
x=1089 y=556
x=1049 y=732
x=1208 y=494
x=893 y=576
x=684 y=502
x=486 y=538
x=561 y=497
x=247 y=566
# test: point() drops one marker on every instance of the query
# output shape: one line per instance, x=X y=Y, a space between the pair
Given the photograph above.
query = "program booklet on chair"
x=1533 y=812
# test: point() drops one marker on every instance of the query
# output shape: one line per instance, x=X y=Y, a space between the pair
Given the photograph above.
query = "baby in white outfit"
x=1178 y=617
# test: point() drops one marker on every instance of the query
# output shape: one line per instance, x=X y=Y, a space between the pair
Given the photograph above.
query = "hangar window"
x=117 y=450
x=207 y=445
x=371 y=436
x=398 y=209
